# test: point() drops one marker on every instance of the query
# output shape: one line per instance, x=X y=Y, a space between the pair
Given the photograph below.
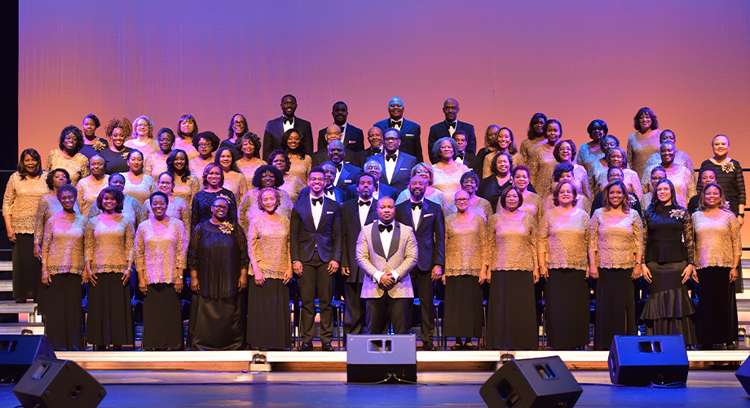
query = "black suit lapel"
x=377 y=244
x=394 y=240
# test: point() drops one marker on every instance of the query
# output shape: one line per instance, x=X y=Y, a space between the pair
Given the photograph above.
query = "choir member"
x=177 y=208
x=398 y=166
x=22 y=193
x=268 y=318
x=705 y=177
x=333 y=132
x=218 y=261
x=374 y=167
x=118 y=130
x=137 y=184
x=718 y=249
x=213 y=188
x=617 y=158
x=532 y=202
x=615 y=259
x=90 y=186
x=606 y=144
x=477 y=205
x=109 y=259
x=266 y=176
x=410 y=133
x=161 y=245
x=447 y=172
x=292 y=184
x=565 y=152
x=300 y=162
x=492 y=187
x=487 y=153
x=275 y=128
x=466 y=268
x=237 y=129
x=156 y=163
x=534 y=136
x=206 y=143
x=92 y=144
x=186 y=184
x=644 y=141
x=234 y=180
x=670 y=257
x=682 y=177
x=680 y=158
x=562 y=251
x=591 y=152
x=436 y=196
x=566 y=172
x=615 y=173
x=49 y=205
x=69 y=156
x=464 y=157
x=375 y=138
x=143 y=136
x=249 y=145
x=657 y=174
x=62 y=265
x=512 y=237
x=352 y=136
x=728 y=175
x=542 y=159
x=131 y=208
x=187 y=129
x=505 y=143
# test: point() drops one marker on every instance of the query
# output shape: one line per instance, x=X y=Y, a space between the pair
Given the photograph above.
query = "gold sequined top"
x=187 y=189
x=248 y=169
x=532 y=205
x=77 y=166
x=617 y=239
x=140 y=190
x=487 y=165
x=465 y=245
x=160 y=249
x=527 y=147
x=197 y=165
x=582 y=202
x=177 y=209
x=640 y=147
x=131 y=210
x=448 y=179
x=249 y=207
x=109 y=243
x=587 y=156
x=48 y=206
x=300 y=167
x=477 y=205
x=646 y=199
x=564 y=237
x=292 y=185
x=88 y=191
x=541 y=165
x=630 y=178
x=680 y=158
x=236 y=183
x=62 y=251
x=682 y=179
x=268 y=244
x=186 y=145
x=512 y=242
x=156 y=163
x=21 y=201
x=717 y=239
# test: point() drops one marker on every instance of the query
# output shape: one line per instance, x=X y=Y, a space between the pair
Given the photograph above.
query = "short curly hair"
x=114 y=192
x=258 y=176
x=122 y=123
x=560 y=169
x=493 y=166
x=67 y=187
x=251 y=138
x=436 y=147
x=51 y=177
x=556 y=193
x=71 y=130
x=279 y=152
x=275 y=193
x=159 y=194
x=573 y=150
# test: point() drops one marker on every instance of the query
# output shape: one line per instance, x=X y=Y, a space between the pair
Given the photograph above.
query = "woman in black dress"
x=92 y=144
x=492 y=187
x=670 y=255
x=218 y=261
x=213 y=187
x=118 y=130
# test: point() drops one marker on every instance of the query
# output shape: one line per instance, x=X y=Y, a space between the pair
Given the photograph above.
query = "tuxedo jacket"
x=321 y=156
x=411 y=137
x=384 y=190
x=402 y=257
x=348 y=176
x=366 y=154
x=440 y=130
x=337 y=192
x=354 y=138
x=430 y=232
x=401 y=173
x=350 y=229
x=304 y=237
x=475 y=163
x=275 y=129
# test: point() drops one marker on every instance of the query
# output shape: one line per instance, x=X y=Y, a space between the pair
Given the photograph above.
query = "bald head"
x=396 y=108
x=450 y=109
x=333 y=132
x=375 y=137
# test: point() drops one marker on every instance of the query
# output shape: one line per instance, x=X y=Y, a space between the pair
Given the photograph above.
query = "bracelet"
x=735 y=267
x=536 y=267
x=639 y=263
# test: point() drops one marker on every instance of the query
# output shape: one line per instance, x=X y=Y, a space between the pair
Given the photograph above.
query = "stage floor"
x=145 y=389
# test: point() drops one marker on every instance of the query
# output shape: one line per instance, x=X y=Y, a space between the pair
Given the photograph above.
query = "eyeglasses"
x=204 y=145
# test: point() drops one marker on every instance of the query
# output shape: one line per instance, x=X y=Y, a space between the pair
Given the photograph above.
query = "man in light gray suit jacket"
x=387 y=251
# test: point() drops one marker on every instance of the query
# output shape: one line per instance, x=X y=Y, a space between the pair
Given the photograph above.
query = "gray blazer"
x=371 y=258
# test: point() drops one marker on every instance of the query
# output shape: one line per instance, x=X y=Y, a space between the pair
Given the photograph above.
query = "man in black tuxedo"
x=329 y=191
x=469 y=159
x=448 y=127
x=353 y=137
x=355 y=214
x=333 y=132
x=428 y=222
x=395 y=163
x=380 y=190
x=275 y=128
x=345 y=172
x=315 y=249
x=375 y=138
x=409 y=132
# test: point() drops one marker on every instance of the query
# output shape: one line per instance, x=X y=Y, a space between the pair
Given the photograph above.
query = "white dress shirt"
x=416 y=214
x=390 y=165
x=317 y=210
x=288 y=126
x=364 y=210
x=385 y=237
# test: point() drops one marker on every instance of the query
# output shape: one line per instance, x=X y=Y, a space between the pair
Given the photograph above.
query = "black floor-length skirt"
x=162 y=318
x=668 y=308
x=717 y=307
x=268 y=315
x=615 y=309
x=566 y=309
x=63 y=322
x=511 y=312
x=463 y=312
x=27 y=269
x=217 y=324
x=110 y=316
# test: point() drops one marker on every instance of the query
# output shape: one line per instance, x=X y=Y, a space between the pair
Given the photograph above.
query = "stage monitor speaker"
x=642 y=360
x=531 y=383
x=53 y=383
x=743 y=375
x=381 y=358
x=18 y=352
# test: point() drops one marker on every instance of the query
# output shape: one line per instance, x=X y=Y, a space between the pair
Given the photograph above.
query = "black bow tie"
x=339 y=166
x=329 y=190
x=392 y=123
x=342 y=128
x=288 y=120
x=316 y=201
x=389 y=157
x=376 y=150
x=382 y=227
x=460 y=156
x=414 y=206
x=364 y=203
x=452 y=125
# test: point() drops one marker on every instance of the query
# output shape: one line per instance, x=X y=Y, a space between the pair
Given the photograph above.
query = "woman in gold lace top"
x=542 y=159
x=447 y=172
x=176 y=208
x=718 y=249
x=161 y=258
x=90 y=186
x=615 y=256
x=477 y=205
x=466 y=266
x=682 y=177
x=505 y=142
x=131 y=208
x=69 y=156
x=644 y=141
x=109 y=259
x=300 y=162
x=206 y=143
x=292 y=184
x=187 y=128
x=563 y=248
x=22 y=193
x=532 y=202
x=271 y=267
x=566 y=172
x=62 y=266
x=156 y=162
x=49 y=205
x=511 y=310
x=137 y=184
x=234 y=180
x=267 y=176
x=249 y=146
x=186 y=184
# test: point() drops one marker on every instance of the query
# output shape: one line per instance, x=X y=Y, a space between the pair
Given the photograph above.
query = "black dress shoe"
x=305 y=346
x=100 y=348
x=457 y=346
x=428 y=346
x=469 y=346
x=20 y=300
x=327 y=346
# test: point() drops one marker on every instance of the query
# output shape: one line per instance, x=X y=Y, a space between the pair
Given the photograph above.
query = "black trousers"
x=422 y=280
x=354 y=313
x=315 y=276
x=384 y=309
